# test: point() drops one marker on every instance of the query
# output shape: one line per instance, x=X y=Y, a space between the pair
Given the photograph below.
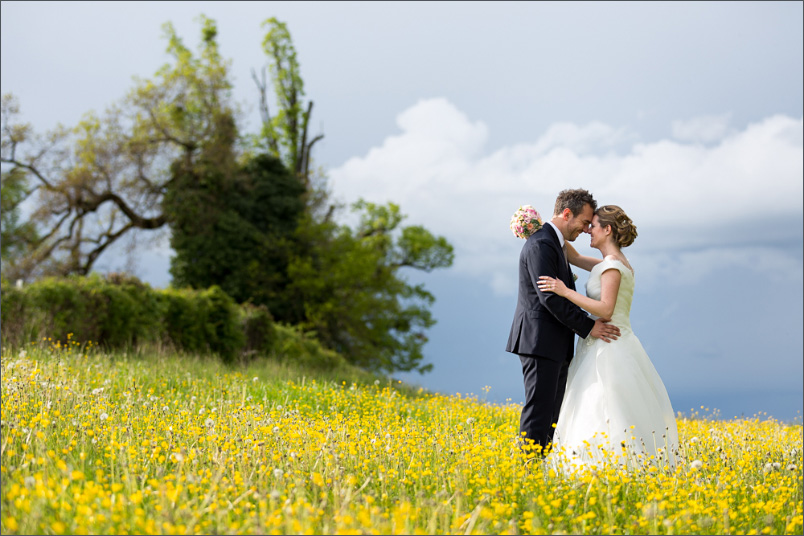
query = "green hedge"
x=120 y=311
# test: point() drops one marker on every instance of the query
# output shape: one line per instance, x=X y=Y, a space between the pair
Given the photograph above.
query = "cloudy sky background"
x=688 y=115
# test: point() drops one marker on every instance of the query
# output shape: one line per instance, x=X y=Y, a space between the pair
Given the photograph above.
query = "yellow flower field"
x=115 y=444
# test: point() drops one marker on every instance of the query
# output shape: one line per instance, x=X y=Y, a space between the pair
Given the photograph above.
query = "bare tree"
x=107 y=176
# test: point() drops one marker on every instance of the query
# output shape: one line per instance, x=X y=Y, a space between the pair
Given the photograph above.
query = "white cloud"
x=704 y=129
x=438 y=145
x=681 y=195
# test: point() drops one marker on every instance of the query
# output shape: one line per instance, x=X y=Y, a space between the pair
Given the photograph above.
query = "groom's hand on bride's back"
x=603 y=330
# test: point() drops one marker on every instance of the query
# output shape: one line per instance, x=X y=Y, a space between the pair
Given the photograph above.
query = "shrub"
x=294 y=345
x=119 y=311
x=115 y=312
x=258 y=328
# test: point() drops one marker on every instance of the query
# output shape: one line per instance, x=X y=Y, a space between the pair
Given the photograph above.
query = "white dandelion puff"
x=696 y=464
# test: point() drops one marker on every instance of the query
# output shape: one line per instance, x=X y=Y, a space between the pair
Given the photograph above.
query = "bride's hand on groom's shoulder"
x=605 y=331
x=550 y=284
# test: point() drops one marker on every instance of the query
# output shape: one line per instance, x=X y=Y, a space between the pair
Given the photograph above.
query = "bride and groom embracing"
x=605 y=400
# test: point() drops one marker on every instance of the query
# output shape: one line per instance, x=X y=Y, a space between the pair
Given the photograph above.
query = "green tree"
x=356 y=297
x=235 y=231
x=347 y=285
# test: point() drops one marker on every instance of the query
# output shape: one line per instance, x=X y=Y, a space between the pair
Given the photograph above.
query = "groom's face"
x=580 y=223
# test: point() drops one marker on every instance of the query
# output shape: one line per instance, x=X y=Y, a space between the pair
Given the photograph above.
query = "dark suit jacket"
x=545 y=324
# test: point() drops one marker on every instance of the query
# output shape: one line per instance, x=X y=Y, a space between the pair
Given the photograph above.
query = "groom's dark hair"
x=574 y=200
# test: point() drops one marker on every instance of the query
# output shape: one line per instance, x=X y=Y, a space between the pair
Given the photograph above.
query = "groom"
x=545 y=324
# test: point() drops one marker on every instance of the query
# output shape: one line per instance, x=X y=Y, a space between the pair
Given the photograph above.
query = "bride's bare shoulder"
x=624 y=262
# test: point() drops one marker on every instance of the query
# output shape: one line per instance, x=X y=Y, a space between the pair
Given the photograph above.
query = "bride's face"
x=597 y=232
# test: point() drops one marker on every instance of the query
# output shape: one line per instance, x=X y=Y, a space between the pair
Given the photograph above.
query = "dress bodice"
x=622 y=309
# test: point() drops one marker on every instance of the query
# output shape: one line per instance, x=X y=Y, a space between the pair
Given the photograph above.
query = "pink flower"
x=525 y=221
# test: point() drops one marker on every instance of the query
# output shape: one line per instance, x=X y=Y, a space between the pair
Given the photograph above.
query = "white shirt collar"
x=558 y=232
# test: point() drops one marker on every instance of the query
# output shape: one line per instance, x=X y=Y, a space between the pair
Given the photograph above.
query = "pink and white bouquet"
x=526 y=221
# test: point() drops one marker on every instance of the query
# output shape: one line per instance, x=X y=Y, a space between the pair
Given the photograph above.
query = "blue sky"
x=688 y=115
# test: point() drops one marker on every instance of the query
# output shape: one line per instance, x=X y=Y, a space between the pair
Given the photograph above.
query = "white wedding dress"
x=614 y=396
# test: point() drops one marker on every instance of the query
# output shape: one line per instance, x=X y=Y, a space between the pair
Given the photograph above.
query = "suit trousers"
x=545 y=382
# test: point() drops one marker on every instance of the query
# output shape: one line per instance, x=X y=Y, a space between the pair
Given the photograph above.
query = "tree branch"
x=136 y=219
x=262 y=87
x=95 y=253
x=29 y=168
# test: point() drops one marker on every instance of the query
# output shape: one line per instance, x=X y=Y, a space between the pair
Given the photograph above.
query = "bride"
x=616 y=407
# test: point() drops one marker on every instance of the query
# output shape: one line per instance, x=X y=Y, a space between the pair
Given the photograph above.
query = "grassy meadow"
x=144 y=442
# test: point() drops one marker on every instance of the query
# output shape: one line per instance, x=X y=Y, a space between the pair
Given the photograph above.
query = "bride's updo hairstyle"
x=623 y=229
